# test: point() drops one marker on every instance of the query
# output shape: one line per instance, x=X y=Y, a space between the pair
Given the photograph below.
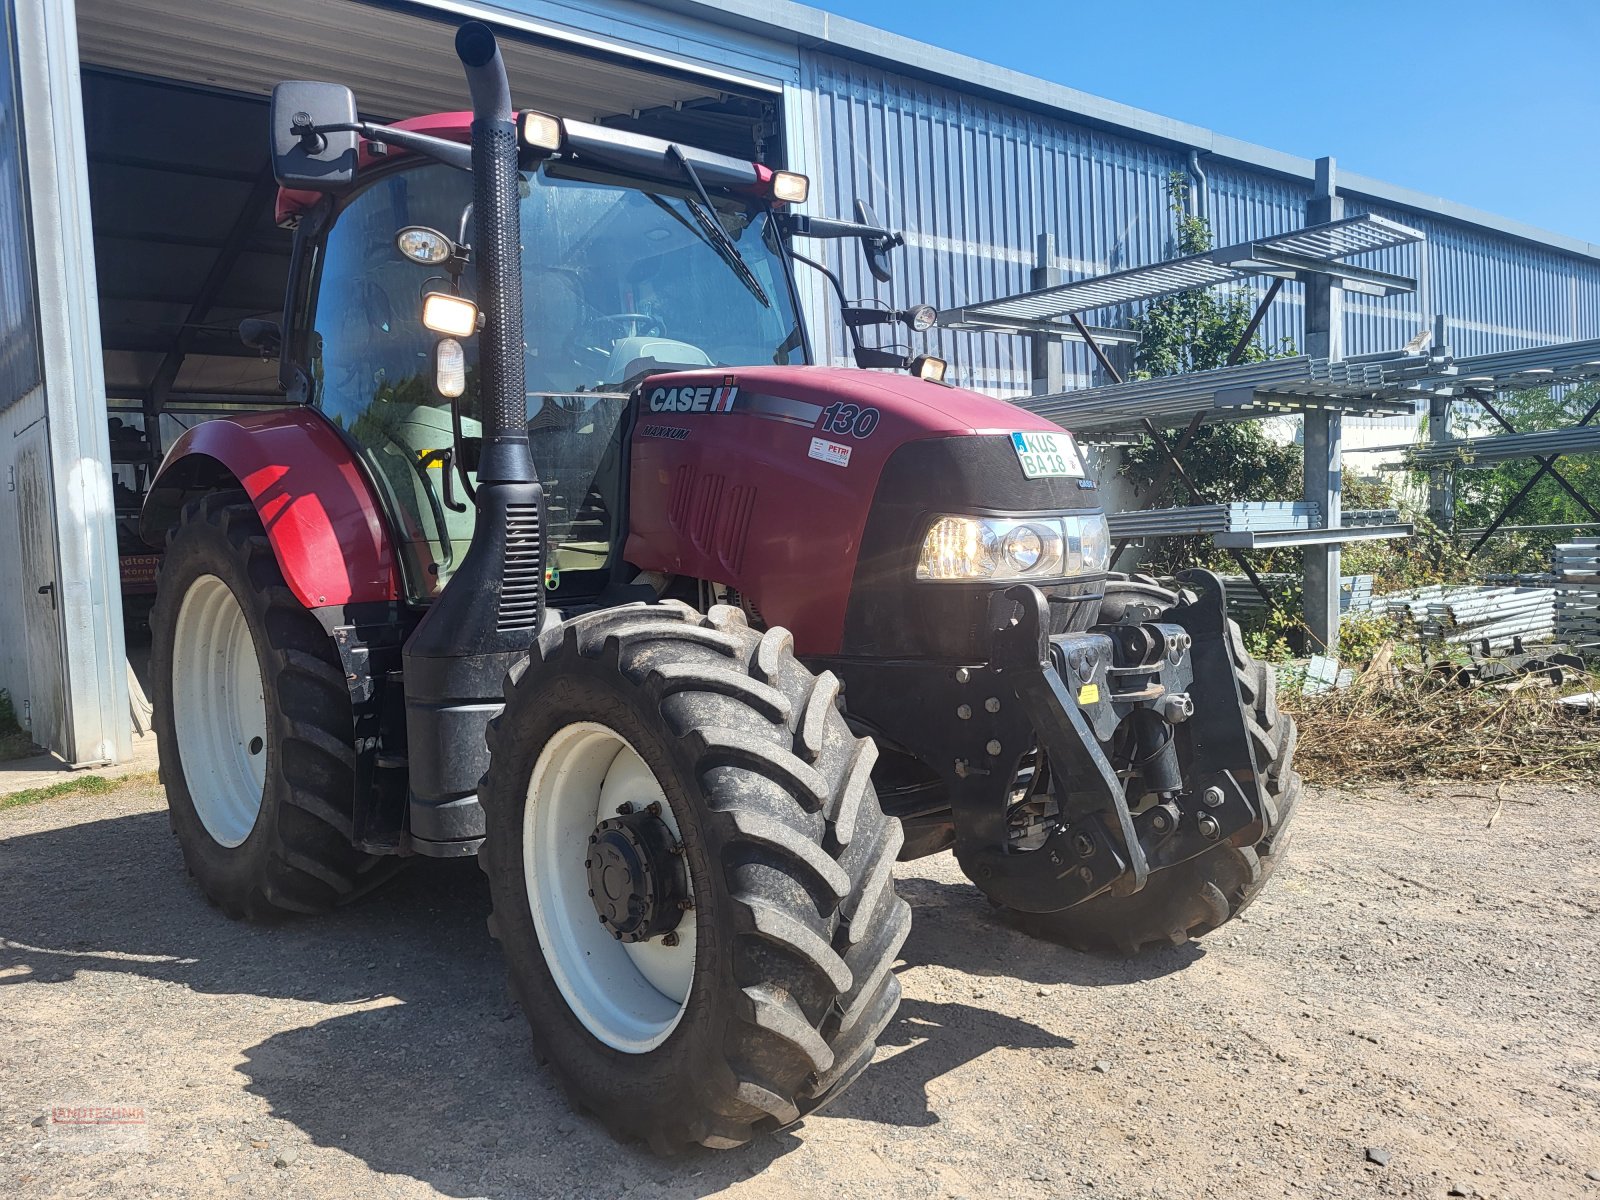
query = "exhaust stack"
x=490 y=611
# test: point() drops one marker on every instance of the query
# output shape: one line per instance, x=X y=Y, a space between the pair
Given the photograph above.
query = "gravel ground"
x=1417 y=988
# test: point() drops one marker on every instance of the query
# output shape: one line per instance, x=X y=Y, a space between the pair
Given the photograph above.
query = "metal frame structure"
x=1321 y=384
x=1303 y=255
x=1480 y=379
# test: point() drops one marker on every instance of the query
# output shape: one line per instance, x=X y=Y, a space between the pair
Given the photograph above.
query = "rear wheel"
x=253 y=722
x=691 y=875
x=1195 y=897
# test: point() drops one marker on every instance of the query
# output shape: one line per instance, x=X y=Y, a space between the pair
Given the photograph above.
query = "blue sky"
x=1491 y=104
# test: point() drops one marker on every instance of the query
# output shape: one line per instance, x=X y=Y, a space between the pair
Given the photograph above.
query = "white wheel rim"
x=630 y=995
x=219 y=710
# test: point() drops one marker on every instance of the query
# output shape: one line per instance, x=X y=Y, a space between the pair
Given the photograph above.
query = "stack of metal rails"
x=1251 y=524
x=1535 y=366
x=1246 y=605
x=1499 y=448
x=1575 y=568
x=1498 y=617
x=1216 y=519
x=1374 y=386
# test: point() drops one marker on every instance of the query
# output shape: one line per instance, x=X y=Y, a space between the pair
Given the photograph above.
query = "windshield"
x=619 y=278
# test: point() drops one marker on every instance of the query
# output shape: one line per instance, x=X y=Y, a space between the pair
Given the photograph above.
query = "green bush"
x=14 y=740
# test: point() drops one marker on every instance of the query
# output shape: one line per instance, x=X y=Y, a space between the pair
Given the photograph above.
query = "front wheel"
x=691 y=875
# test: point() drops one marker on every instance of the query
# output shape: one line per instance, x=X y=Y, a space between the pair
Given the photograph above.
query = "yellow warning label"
x=1089 y=693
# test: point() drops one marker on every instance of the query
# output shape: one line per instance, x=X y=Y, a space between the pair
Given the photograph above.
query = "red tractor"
x=562 y=554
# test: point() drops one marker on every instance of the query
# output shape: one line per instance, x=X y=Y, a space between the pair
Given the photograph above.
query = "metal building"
x=135 y=227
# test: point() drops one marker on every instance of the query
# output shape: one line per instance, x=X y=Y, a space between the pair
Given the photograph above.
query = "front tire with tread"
x=797 y=923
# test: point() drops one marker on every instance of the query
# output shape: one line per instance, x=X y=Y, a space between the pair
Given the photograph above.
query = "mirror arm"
x=857 y=315
x=454 y=154
x=838 y=288
x=870 y=357
x=801 y=225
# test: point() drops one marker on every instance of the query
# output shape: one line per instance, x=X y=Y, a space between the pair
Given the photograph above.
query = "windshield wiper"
x=715 y=233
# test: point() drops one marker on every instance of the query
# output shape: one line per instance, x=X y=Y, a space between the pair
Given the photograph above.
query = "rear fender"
x=320 y=514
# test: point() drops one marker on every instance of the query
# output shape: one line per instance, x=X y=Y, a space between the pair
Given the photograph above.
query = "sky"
x=1495 y=105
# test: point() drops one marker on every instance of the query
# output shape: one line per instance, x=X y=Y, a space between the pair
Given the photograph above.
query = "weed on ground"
x=1396 y=727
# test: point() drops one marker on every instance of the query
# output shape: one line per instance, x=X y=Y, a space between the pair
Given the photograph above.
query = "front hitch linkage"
x=1075 y=690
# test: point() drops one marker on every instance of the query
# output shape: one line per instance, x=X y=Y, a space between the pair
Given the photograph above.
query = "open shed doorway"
x=175 y=100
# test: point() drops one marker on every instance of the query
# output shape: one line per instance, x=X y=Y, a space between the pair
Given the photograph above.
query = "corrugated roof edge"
x=811 y=28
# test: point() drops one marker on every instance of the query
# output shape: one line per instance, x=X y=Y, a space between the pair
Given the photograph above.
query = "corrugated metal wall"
x=974 y=182
x=19 y=321
x=1497 y=293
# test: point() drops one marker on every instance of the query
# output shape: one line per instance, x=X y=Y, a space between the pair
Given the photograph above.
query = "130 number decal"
x=849 y=418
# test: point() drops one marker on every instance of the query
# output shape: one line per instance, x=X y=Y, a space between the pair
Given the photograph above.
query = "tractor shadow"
x=432 y=1076
x=954 y=926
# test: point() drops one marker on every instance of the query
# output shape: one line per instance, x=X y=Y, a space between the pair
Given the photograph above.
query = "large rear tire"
x=1196 y=897
x=767 y=999
x=252 y=718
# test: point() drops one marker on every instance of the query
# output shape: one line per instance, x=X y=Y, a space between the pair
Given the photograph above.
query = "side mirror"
x=314 y=141
x=875 y=247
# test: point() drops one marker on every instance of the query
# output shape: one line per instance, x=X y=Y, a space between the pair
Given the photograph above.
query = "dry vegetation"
x=1392 y=725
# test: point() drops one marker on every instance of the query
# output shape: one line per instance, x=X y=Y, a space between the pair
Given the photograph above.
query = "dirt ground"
x=1416 y=984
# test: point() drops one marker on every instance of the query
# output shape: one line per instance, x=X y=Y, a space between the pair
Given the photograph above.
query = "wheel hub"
x=637 y=880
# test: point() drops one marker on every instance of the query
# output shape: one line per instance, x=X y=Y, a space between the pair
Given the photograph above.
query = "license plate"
x=1047 y=455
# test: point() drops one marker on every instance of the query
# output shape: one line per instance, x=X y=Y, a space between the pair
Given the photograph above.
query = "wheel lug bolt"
x=686 y=905
x=654 y=809
x=625 y=809
x=669 y=939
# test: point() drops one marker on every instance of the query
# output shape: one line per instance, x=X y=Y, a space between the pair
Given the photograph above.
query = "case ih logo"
x=693 y=399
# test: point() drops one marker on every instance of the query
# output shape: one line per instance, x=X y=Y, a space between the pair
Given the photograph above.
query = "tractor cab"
x=639 y=256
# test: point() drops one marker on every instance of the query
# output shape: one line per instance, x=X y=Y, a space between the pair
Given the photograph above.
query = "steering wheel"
x=625 y=324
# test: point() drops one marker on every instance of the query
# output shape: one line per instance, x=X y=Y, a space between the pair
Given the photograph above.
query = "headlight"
x=1005 y=549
